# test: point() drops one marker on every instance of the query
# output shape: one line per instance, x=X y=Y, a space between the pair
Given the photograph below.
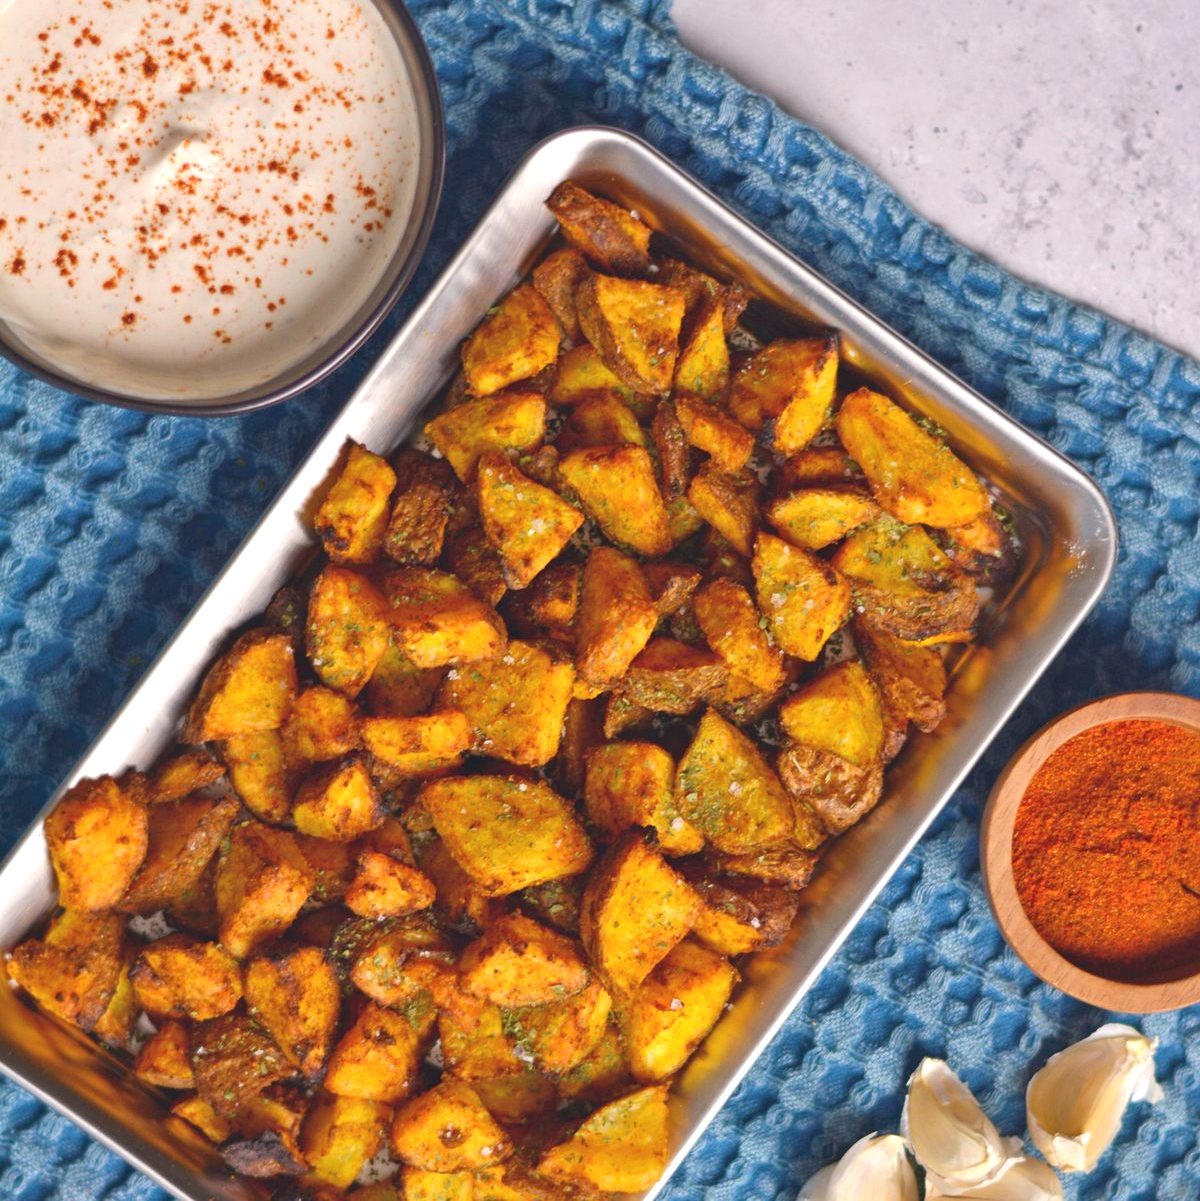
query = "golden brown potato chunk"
x=436 y=619
x=581 y=375
x=354 y=514
x=293 y=994
x=461 y=903
x=674 y=677
x=514 y=1100
x=419 y=746
x=517 y=339
x=633 y=784
x=612 y=237
x=347 y=630
x=165 y=1059
x=258 y=772
x=398 y=687
x=115 y=1025
x=986 y=549
x=707 y=428
x=634 y=326
x=448 y=1129
x=803 y=599
x=820 y=467
x=548 y=606
x=672 y=451
x=514 y=704
x=261 y=883
x=729 y=503
x=786 y=390
x=475 y=1044
x=601 y=1073
x=511 y=420
x=911 y=679
x=618 y=490
x=506 y=832
x=98 y=837
x=665 y=1019
x=621 y=1148
x=818 y=517
x=517 y=962
x=730 y=621
x=839 y=711
x=635 y=908
x=385 y=887
x=234 y=1060
x=556 y=277
x=604 y=420
x=914 y=476
x=377 y=1059
x=197 y=1112
x=616 y=617
x=559 y=1036
x=702 y=370
x=528 y=524
x=322 y=725
x=406 y=964
x=339 y=802
x=175 y=778
x=180 y=977
x=426 y=491
x=739 y=914
x=340 y=1134
x=839 y=792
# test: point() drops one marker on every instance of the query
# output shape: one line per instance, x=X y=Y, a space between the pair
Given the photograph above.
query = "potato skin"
x=181 y=977
x=911 y=679
x=233 y=1060
x=250 y=688
x=426 y=492
x=556 y=277
x=293 y=993
x=838 y=791
x=178 y=777
x=609 y=235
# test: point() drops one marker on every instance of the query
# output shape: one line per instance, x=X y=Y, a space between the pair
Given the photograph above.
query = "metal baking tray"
x=1065 y=524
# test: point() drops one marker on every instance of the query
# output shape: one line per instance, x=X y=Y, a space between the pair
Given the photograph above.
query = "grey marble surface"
x=1059 y=137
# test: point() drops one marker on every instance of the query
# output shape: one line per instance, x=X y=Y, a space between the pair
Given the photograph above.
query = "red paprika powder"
x=1106 y=850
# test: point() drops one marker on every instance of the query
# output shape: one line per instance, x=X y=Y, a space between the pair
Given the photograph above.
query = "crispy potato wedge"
x=293 y=993
x=258 y=772
x=911 y=679
x=840 y=712
x=385 y=887
x=398 y=688
x=729 y=503
x=635 y=908
x=165 y=1060
x=426 y=492
x=744 y=703
x=377 y=1059
x=506 y=832
x=838 y=791
x=612 y=237
x=556 y=277
x=634 y=327
x=672 y=449
x=623 y=715
x=785 y=391
x=262 y=1156
x=914 y=476
x=618 y=490
x=340 y=1134
x=470 y=556
x=739 y=914
x=447 y=1129
x=115 y=1026
x=338 y=802
x=670 y=1012
x=819 y=467
x=354 y=514
x=803 y=599
x=421 y=746
x=702 y=369
x=616 y=617
x=583 y=728
x=986 y=549
x=251 y=687
x=814 y=518
x=581 y=375
x=322 y=725
x=347 y=629
x=526 y=523
x=604 y=420
x=332 y=866
x=510 y=420
x=178 y=777
x=558 y=1036
x=548 y=606
x=436 y=619
x=707 y=428
x=233 y=1060
x=195 y=909
x=697 y=287
x=180 y=977
x=517 y=339
x=674 y=677
x=516 y=962
x=730 y=622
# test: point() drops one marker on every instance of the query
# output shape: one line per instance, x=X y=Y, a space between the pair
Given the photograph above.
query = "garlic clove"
x=1074 y=1105
x=952 y=1138
x=1020 y=1180
x=876 y=1167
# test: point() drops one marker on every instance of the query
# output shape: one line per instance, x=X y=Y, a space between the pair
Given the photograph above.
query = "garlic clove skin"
x=951 y=1137
x=1020 y=1180
x=876 y=1167
x=1075 y=1104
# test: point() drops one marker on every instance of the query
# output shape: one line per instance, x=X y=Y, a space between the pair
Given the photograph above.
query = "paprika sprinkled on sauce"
x=1106 y=850
x=196 y=193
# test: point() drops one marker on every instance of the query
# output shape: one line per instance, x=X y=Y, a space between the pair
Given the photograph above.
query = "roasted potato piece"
x=559 y=1036
x=635 y=908
x=398 y=688
x=729 y=503
x=332 y=866
x=405 y=965
x=601 y=1073
x=262 y=882
x=512 y=420
x=385 y=887
x=727 y=790
x=165 y=1060
x=471 y=557
x=911 y=679
x=616 y=617
x=181 y=977
x=634 y=326
x=739 y=914
x=322 y=725
x=731 y=625
x=347 y=631
x=702 y=370
x=338 y=802
x=340 y=1134
x=556 y=902
x=744 y=703
x=517 y=339
x=419 y=746
x=197 y=1112
x=786 y=866
x=785 y=391
x=612 y=237
x=475 y=1042
x=74 y=971
x=914 y=476
x=556 y=277
x=426 y=491
x=583 y=728
x=621 y=1148
x=436 y=619
x=181 y=839
x=354 y=514
x=258 y=772
x=673 y=677
x=233 y=1060
x=618 y=490
x=820 y=467
x=604 y=420
x=195 y=909
x=818 y=517
x=418 y=1185
x=515 y=704
x=984 y=548
x=178 y=777
x=447 y=1129
x=377 y=1059
x=838 y=712
x=506 y=832
x=839 y=792
x=672 y=449
x=517 y=962
x=262 y=1156
x=623 y=715
x=633 y=784
x=697 y=287
x=528 y=524
x=293 y=993
x=707 y=428
x=671 y=584
x=98 y=837
x=514 y=1100
x=460 y=902
x=581 y=375
x=667 y=1016
x=115 y=1026
x=803 y=599
x=549 y=605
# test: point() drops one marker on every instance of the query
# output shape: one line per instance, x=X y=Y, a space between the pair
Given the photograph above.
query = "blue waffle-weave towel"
x=112 y=523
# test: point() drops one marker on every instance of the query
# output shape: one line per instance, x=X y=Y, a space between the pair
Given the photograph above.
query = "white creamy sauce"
x=195 y=195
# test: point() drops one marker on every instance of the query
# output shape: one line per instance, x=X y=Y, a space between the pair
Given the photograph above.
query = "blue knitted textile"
x=112 y=523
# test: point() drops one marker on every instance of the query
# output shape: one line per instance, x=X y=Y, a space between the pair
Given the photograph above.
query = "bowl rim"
x=429 y=111
x=996 y=830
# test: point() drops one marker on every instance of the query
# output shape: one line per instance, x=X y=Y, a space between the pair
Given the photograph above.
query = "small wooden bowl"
x=996 y=834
